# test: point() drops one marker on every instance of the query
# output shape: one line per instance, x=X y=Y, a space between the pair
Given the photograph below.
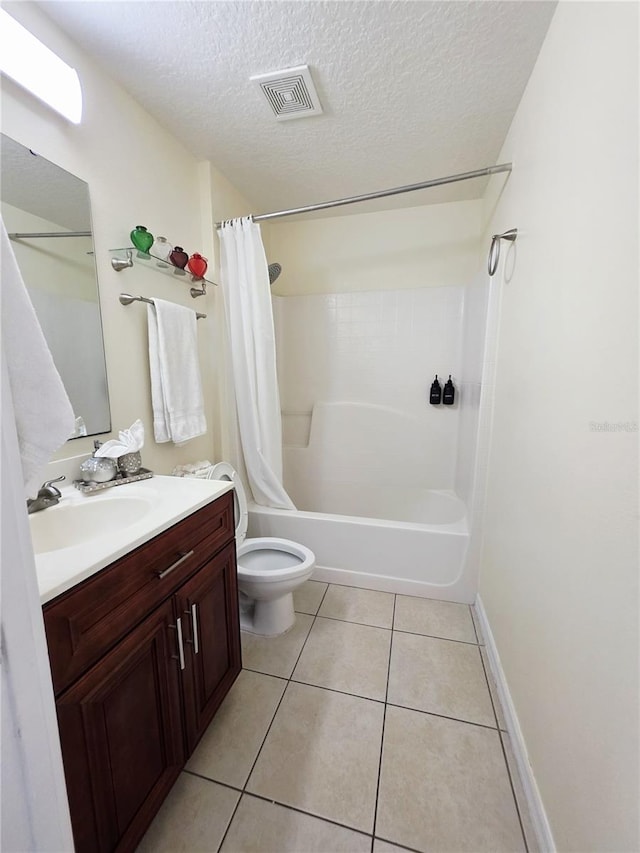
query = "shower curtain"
x=247 y=302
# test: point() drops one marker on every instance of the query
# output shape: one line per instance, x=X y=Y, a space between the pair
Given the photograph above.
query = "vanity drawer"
x=88 y=620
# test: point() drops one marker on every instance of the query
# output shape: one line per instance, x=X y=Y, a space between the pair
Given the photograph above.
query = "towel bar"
x=127 y=299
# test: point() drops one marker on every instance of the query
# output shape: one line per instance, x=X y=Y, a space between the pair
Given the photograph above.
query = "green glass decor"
x=142 y=239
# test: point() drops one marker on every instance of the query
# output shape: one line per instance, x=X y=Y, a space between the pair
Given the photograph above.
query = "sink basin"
x=74 y=522
x=85 y=533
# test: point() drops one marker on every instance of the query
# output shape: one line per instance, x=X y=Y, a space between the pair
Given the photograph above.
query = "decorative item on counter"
x=126 y=449
x=435 y=395
x=98 y=469
x=141 y=239
x=130 y=463
x=197 y=265
x=120 y=480
x=449 y=393
x=179 y=259
x=199 y=470
x=162 y=248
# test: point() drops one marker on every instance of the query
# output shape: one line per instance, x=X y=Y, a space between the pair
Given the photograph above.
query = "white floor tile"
x=193 y=818
x=263 y=827
x=321 y=755
x=366 y=606
x=230 y=745
x=307 y=598
x=346 y=656
x=276 y=655
x=436 y=618
x=444 y=787
x=439 y=676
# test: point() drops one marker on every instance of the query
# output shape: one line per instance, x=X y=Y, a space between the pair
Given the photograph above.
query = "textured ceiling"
x=410 y=90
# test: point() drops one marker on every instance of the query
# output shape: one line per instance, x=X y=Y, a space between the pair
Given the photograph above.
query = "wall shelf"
x=122 y=259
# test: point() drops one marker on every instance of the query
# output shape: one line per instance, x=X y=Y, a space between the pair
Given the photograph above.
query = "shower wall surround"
x=474 y=331
x=379 y=350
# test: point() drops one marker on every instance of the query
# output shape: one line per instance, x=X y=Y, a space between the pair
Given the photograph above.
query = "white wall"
x=412 y=247
x=559 y=573
x=137 y=173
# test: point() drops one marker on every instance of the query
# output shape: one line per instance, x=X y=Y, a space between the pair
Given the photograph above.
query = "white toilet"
x=268 y=569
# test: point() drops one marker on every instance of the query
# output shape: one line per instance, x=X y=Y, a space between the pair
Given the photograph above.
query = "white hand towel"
x=176 y=389
x=43 y=413
x=129 y=441
x=199 y=470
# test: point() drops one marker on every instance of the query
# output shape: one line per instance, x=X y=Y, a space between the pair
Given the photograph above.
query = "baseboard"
x=534 y=800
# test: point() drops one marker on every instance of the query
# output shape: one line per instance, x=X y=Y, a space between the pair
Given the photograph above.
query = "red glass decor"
x=179 y=257
x=197 y=265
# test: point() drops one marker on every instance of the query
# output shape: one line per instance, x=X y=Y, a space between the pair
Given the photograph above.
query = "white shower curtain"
x=247 y=301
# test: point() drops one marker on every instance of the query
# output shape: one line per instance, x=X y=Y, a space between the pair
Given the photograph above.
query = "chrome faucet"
x=48 y=495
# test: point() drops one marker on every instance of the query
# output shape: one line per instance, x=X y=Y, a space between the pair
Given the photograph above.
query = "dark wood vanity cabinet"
x=132 y=700
x=121 y=734
x=215 y=660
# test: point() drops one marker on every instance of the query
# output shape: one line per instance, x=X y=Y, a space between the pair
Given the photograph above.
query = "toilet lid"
x=224 y=471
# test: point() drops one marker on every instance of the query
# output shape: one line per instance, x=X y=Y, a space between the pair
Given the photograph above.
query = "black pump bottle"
x=449 y=393
x=435 y=395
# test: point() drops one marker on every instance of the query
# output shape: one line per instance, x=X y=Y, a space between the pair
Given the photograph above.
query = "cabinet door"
x=121 y=733
x=208 y=605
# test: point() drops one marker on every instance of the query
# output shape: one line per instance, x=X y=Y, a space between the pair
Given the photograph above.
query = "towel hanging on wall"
x=176 y=387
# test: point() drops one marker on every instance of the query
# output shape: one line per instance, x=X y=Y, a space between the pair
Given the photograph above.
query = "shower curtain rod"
x=408 y=188
x=21 y=236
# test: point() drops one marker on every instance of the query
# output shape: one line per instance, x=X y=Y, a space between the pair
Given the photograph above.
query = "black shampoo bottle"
x=449 y=393
x=435 y=395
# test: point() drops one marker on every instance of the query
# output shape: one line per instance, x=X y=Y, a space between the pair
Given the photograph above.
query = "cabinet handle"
x=194 y=627
x=173 y=566
x=180 y=656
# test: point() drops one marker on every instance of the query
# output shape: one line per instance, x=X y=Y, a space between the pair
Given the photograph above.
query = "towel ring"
x=494 y=251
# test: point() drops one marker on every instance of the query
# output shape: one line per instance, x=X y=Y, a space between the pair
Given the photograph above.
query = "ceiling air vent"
x=290 y=93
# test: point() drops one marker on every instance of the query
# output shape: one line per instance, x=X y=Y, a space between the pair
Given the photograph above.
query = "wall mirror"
x=47 y=214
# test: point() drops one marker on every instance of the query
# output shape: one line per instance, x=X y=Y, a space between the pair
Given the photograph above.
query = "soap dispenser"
x=98 y=469
x=449 y=393
x=435 y=395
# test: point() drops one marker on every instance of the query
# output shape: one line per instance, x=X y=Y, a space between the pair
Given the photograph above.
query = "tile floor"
x=373 y=725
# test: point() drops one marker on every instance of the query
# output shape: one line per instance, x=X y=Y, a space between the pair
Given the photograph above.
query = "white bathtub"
x=411 y=541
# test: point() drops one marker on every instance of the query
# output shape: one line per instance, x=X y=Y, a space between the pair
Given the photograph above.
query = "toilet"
x=269 y=569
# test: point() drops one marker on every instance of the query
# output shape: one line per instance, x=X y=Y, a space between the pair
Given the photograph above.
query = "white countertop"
x=170 y=500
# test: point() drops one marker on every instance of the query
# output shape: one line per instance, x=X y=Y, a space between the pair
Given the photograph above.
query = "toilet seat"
x=225 y=471
x=279 y=558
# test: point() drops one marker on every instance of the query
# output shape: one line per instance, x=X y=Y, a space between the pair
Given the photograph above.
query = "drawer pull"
x=180 y=656
x=173 y=566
